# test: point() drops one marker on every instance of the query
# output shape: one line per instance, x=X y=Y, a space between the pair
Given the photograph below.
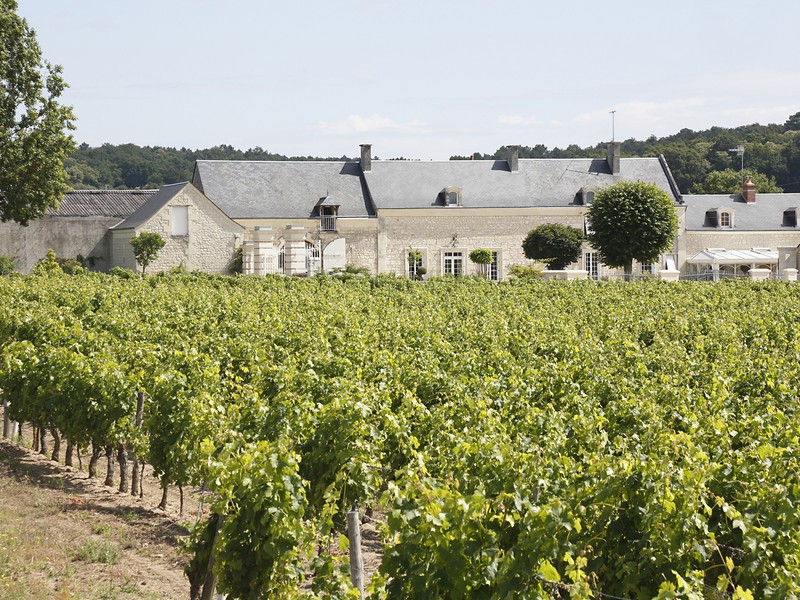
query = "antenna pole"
x=739 y=150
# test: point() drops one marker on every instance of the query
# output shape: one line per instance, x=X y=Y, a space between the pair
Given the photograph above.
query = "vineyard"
x=515 y=440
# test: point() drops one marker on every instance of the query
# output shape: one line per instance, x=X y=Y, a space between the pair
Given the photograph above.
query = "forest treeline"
x=770 y=151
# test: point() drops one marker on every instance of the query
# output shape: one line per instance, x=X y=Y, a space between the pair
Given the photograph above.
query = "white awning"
x=723 y=256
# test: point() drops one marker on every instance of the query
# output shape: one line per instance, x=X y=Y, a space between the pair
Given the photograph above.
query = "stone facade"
x=297 y=218
x=208 y=243
x=266 y=237
x=437 y=232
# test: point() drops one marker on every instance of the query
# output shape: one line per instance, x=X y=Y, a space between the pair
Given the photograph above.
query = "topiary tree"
x=415 y=263
x=483 y=258
x=146 y=247
x=631 y=220
x=554 y=243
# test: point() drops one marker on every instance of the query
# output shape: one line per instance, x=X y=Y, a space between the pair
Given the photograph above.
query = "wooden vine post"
x=210 y=583
x=356 y=560
x=135 y=476
x=6 y=420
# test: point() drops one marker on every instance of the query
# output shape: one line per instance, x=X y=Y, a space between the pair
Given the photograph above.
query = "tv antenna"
x=739 y=150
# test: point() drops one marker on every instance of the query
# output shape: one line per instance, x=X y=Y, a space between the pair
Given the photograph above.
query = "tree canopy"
x=631 y=220
x=146 y=247
x=554 y=243
x=483 y=258
x=730 y=182
x=34 y=126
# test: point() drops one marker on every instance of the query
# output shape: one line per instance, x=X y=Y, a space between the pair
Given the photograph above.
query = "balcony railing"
x=328 y=223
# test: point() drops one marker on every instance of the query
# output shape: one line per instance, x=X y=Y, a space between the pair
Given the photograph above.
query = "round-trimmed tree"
x=554 y=243
x=631 y=220
x=483 y=258
x=146 y=247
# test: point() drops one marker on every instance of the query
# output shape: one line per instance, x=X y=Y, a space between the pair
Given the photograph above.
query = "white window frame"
x=180 y=220
x=495 y=271
x=454 y=256
x=591 y=263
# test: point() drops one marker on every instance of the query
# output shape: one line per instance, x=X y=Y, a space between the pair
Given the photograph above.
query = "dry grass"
x=64 y=536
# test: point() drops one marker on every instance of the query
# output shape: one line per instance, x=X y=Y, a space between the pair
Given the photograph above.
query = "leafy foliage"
x=34 y=126
x=644 y=447
x=631 y=220
x=730 y=182
x=7 y=265
x=146 y=247
x=554 y=243
x=483 y=258
x=526 y=271
x=48 y=265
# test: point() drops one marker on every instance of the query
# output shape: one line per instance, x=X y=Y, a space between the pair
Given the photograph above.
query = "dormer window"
x=790 y=217
x=586 y=195
x=451 y=196
x=719 y=218
x=328 y=210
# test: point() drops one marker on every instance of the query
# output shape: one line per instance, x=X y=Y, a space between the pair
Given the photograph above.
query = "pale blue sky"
x=421 y=79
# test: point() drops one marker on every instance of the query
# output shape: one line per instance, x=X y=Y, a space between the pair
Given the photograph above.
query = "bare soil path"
x=65 y=536
x=68 y=537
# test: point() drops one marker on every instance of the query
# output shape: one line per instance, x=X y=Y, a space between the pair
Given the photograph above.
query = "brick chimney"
x=613 y=157
x=749 y=191
x=513 y=158
x=366 y=157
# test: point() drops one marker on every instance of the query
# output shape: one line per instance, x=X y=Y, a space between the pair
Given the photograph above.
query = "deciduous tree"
x=631 y=220
x=554 y=243
x=34 y=125
x=146 y=247
x=730 y=182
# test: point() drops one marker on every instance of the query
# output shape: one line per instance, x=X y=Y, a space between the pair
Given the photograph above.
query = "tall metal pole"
x=739 y=150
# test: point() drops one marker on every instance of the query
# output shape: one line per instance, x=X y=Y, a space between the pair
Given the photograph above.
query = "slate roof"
x=765 y=214
x=282 y=189
x=292 y=190
x=150 y=208
x=547 y=182
x=101 y=203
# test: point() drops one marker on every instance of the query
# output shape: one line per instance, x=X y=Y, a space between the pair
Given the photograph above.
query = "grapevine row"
x=522 y=439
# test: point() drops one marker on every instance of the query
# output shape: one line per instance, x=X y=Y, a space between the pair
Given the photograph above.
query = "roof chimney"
x=749 y=191
x=366 y=157
x=613 y=157
x=513 y=157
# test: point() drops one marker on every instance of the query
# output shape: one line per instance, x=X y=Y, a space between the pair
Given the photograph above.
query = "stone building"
x=300 y=218
x=198 y=235
x=730 y=235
